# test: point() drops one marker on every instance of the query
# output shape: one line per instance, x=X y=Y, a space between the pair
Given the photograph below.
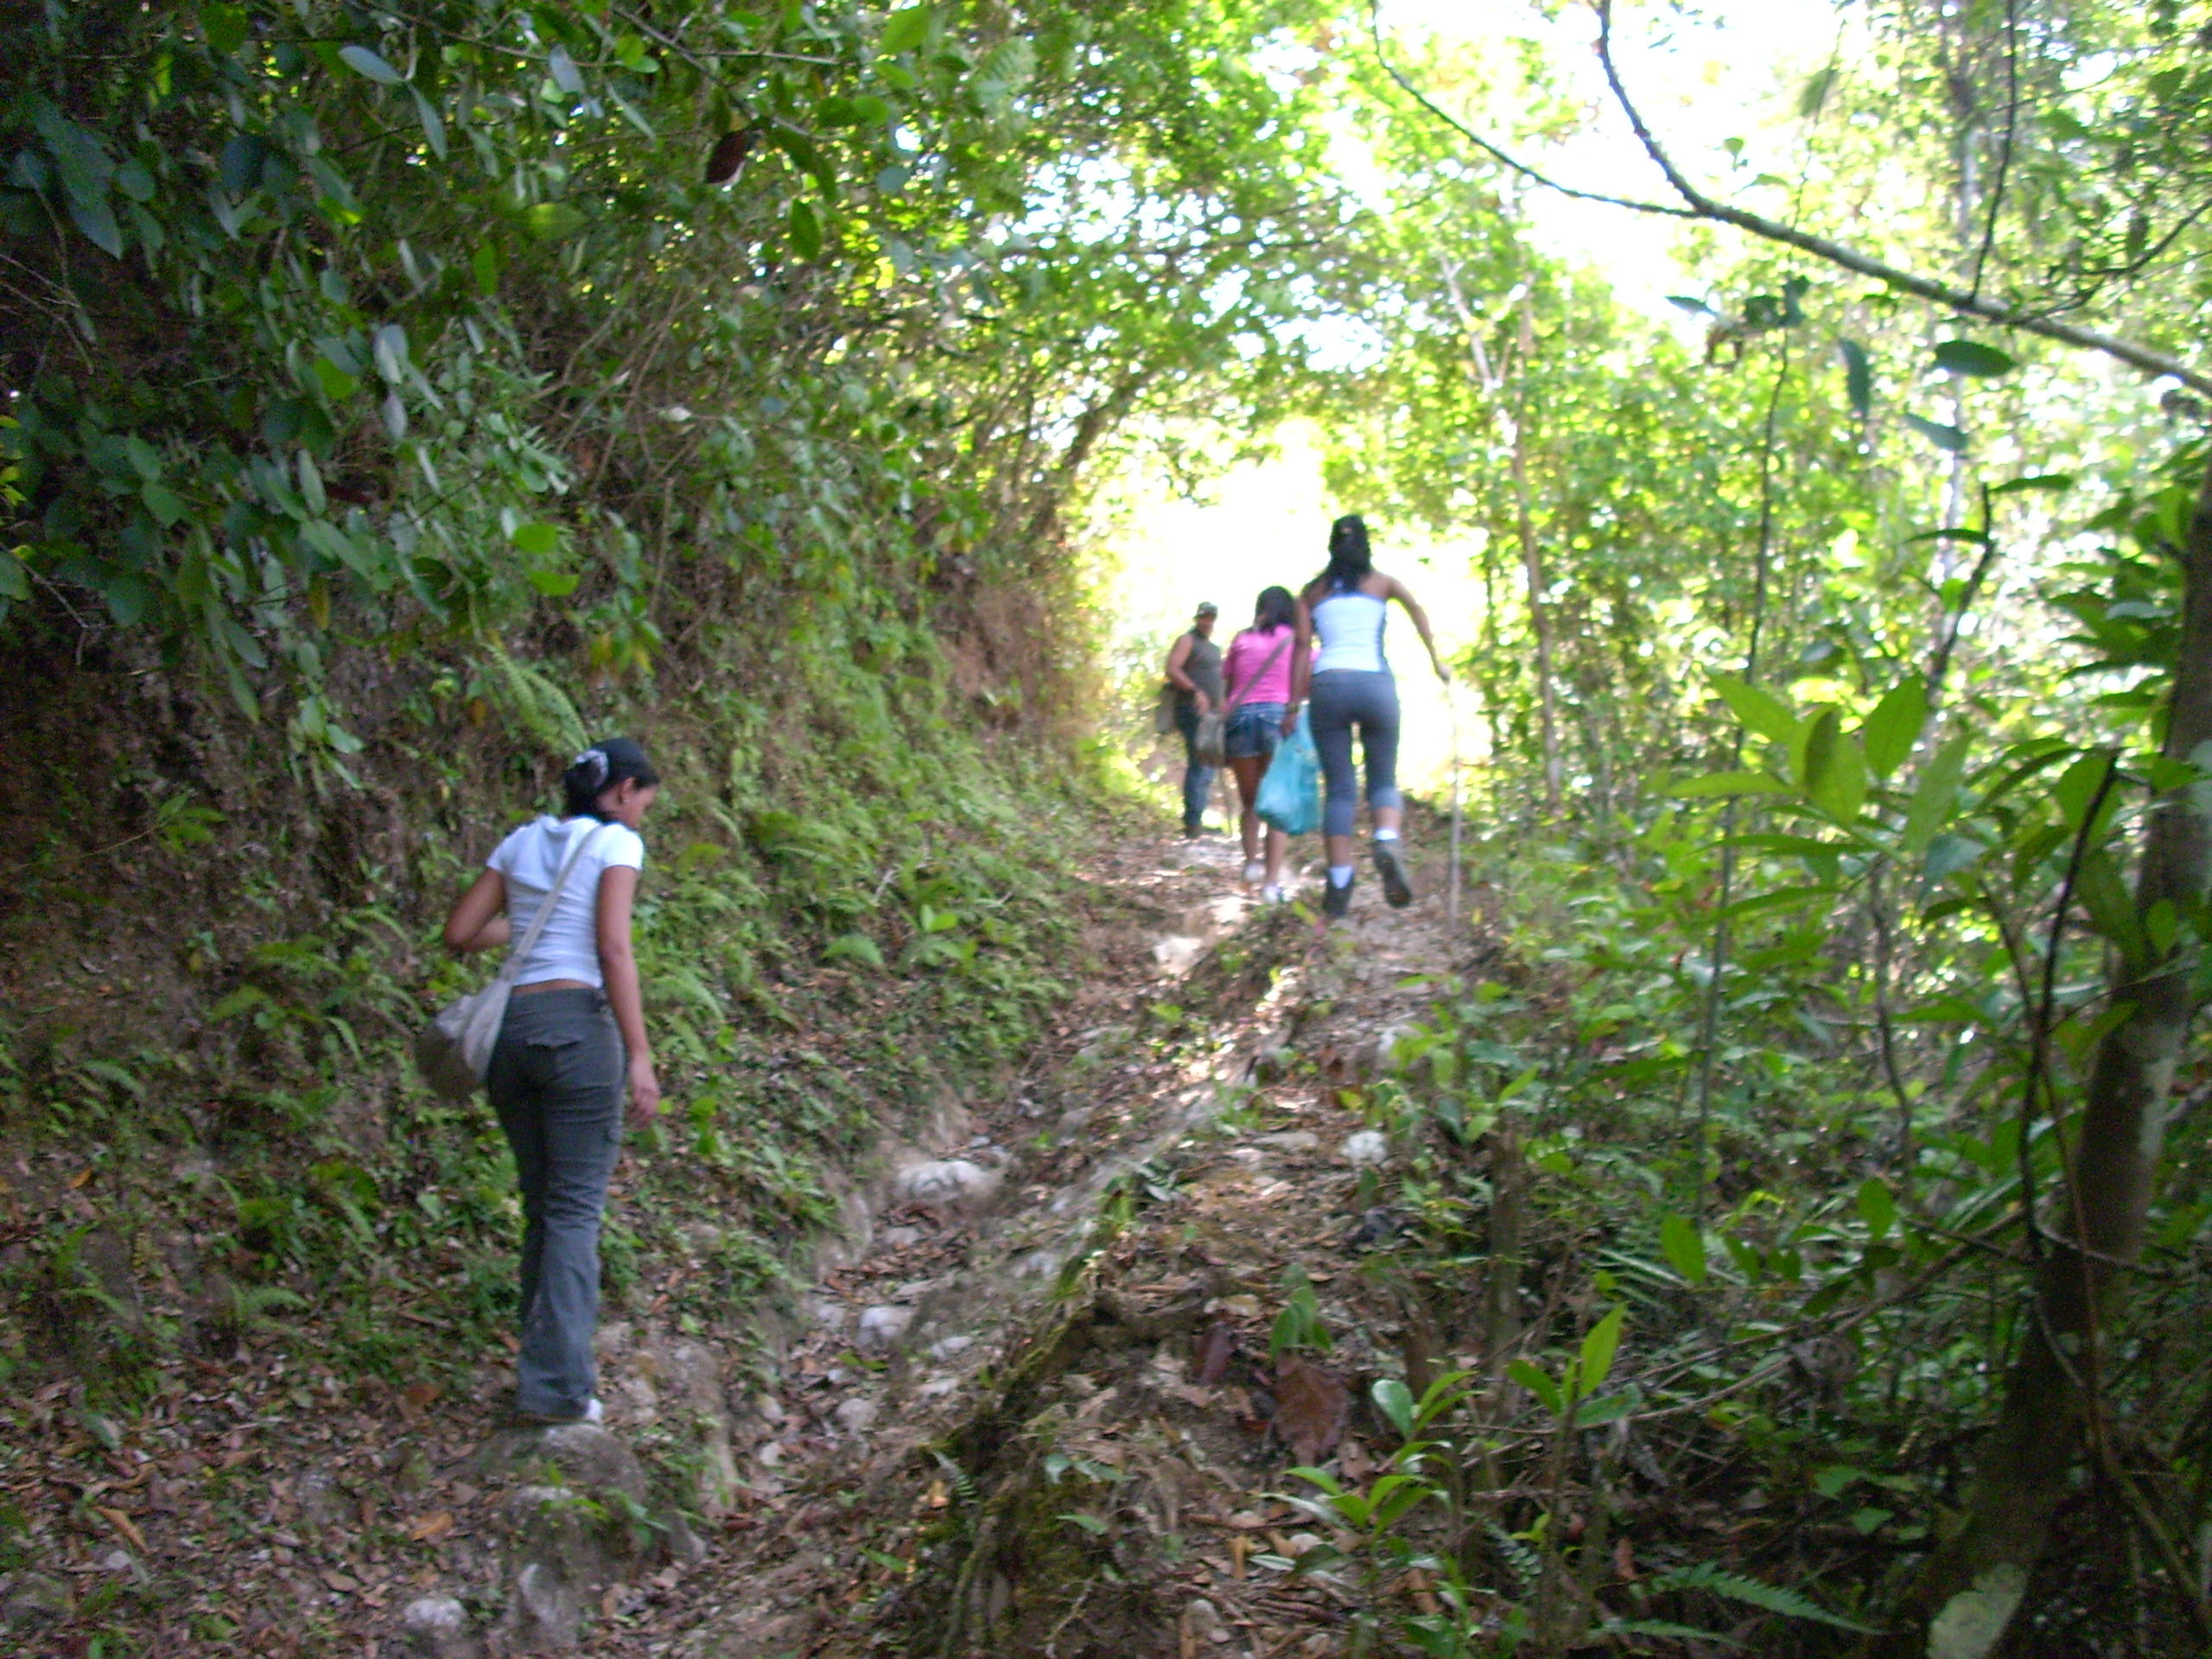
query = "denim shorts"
x=1253 y=730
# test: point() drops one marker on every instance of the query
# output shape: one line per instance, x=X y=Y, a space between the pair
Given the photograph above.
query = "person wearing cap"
x=572 y=1044
x=1194 y=670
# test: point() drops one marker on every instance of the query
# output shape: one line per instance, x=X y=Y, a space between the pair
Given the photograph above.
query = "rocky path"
x=1025 y=1407
x=1044 y=1420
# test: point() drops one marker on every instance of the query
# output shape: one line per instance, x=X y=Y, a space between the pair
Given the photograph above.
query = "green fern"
x=1717 y=1580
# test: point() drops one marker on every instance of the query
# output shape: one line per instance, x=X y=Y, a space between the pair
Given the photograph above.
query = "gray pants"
x=556 y=1081
x=1341 y=699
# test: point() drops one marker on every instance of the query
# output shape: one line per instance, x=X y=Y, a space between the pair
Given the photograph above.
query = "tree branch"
x=1701 y=205
x=1374 y=29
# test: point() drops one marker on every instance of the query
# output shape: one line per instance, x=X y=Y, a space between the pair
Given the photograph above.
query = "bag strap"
x=1274 y=657
x=520 y=953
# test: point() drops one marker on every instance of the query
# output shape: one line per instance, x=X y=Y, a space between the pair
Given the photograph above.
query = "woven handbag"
x=454 y=1050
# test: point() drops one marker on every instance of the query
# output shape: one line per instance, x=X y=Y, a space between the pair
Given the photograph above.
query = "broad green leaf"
x=1971 y=357
x=1832 y=1480
x=1757 y=709
x=1598 y=1348
x=362 y=62
x=389 y=349
x=1835 y=771
x=434 y=126
x=548 y=221
x=1395 y=1401
x=1858 y=378
x=563 y=68
x=1532 y=1377
x=95 y=216
x=1684 y=1247
x=554 y=584
x=805 y=229
x=1879 y=1208
x=1894 y=727
x=1948 y=854
x=2078 y=784
x=2110 y=909
x=1606 y=1409
x=1729 y=783
x=904 y=30
x=1935 y=794
x=224 y=26
x=538 y=539
x=1949 y=439
x=2055 y=483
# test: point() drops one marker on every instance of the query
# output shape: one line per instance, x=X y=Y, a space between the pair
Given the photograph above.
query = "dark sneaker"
x=1392 y=868
x=1336 y=900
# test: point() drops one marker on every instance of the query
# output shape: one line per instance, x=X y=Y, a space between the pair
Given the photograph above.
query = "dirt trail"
x=1076 y=1276
x=1065 y=1449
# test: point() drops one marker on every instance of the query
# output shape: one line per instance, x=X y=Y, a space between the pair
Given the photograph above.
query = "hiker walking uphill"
x=1350 y=687
x=574 y=1038
x=1194 y=672
x=1257 y=674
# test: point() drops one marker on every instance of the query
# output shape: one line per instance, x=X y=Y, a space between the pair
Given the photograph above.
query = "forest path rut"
x=1198 y=1132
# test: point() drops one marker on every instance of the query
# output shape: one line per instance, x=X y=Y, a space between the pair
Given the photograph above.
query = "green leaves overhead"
x=1894 y=727
x=904 y=30
x=1858 y=378
x=1972 y=357
x=363 y=61
x=1950 y=439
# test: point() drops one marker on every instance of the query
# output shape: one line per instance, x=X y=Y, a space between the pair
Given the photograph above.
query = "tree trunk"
x=1532 y=559
x=1971 y=1587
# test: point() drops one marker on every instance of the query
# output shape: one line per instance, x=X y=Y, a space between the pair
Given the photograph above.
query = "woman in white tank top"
x=1350 y=689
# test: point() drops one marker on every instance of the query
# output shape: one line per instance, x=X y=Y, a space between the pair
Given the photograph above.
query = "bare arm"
x=1301 y=664
x=618 y=963
x=479 y=920
x=1178 y=654
x=1403 y=594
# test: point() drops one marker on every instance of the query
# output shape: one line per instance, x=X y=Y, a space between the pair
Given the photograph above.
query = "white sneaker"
x=1255 y=871
x=1277 y=894
x=593 y=1411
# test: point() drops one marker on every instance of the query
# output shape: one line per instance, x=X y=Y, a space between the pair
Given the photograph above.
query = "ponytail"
x=1350 y=561
x=608 y=762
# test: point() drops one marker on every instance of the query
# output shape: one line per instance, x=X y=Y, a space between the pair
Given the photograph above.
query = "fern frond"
x=1718 y=1580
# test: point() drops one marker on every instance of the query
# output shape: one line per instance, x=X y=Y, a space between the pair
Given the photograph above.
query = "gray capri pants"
x=1340 y=699
x=557 y=1079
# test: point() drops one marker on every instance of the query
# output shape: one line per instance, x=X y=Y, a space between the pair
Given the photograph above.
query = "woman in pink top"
x=1256 y=677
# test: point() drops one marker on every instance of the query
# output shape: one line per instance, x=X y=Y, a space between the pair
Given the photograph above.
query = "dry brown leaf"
x=1310 y=1407
x=123 y=1524
x=79 y=1178
x=420 y=1395
x=1216 y=1349
x=431 y=1527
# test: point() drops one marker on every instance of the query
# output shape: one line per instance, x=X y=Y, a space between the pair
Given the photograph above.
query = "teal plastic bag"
x=1290 y=794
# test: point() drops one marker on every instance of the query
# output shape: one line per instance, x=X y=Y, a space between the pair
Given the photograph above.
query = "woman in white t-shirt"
x=572 y=1041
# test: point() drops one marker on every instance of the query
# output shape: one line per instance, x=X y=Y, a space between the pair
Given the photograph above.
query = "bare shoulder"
x=1382 y=585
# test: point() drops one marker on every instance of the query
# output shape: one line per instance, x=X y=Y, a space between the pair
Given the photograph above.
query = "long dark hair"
x=610 y=761
x=1350 y=562
x=1276 y=609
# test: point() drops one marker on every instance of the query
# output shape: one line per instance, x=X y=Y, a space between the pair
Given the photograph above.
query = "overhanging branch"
x=1968 y=303
x=1406 y=84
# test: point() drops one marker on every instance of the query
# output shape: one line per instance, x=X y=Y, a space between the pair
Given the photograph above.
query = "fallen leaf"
x=431 y=1527
x=1353 y=1458
x=420 y=1396
x=123 y=1524
x=79 y=1178
x=1216 y=1349
x=1310 y=1407
x=339 y=1581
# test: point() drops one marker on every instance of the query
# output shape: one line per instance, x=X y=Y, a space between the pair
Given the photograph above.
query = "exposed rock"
x=583 y=1455
x=1291 y=1141
x=437 y=1628
x=946 y=1347
x=898 y=1238
x=1202 y=1621
x=947 y=1183
x=856 y=1416
x=323 y=1502
x=882 y=1326
x=1367 y=1149
x=564 y=1555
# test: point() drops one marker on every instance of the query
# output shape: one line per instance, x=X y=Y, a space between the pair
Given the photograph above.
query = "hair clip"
x=596 y=760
